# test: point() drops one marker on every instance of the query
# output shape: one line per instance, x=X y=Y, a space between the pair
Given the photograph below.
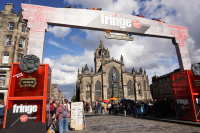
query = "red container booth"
x=28 y=96
x=186 y=95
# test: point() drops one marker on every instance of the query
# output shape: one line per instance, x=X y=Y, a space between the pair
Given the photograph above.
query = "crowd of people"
x=60 y=114
x=154 y=108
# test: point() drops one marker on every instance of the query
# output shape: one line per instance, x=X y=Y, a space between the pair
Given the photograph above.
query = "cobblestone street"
x=106 y=123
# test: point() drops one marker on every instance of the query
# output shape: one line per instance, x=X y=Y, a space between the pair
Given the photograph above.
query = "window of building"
x=19 y=57
x=130 y=88
x=98 y=88
x=23 y=28
x=8 y=40
x=5 y=58
x=140 y=89
x=22 y=43
x=11 y=26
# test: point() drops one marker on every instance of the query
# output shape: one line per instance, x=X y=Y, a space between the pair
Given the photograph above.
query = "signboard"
x=77 y=115
x=119 y=37
x=28 y=95
x=186 y=95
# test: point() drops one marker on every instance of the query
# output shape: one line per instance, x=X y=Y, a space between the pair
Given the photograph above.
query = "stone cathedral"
x=110 y=79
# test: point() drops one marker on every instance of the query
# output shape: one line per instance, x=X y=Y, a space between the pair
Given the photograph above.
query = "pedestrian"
x=63 y=114
x=90 y=107
x=51 y=107
x=105 y=106
x=156 y=108
x=66 y=103
x=84 y=104
x=102 y=107
x=128 y=108
x=172 y=109
x=149 y=108
x=125 y=108
x=109 y=108
x=99 y=108
x=163 y=107
x=2 y=112
x=152 y=111
x=87 y=106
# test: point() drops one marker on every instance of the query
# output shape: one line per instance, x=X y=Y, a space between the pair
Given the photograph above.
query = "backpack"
x=64 y=113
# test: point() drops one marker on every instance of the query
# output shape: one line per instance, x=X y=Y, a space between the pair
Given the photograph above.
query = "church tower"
x=99 y=54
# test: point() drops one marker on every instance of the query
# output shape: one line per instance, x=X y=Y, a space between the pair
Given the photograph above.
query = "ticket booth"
x=28 y=96
x=186 y=95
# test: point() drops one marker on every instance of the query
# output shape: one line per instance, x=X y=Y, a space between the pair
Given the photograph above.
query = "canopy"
x=113 y=98
x=105 y=101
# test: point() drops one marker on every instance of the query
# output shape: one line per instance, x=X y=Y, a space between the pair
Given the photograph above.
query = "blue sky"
x=67 y=49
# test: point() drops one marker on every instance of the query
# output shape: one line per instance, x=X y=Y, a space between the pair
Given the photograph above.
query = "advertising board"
x=28 y=93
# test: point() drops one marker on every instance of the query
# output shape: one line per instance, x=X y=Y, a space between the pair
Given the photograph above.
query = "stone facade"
x=99 y=85
x=14 y=37
x=161 y=86
x=56 y=93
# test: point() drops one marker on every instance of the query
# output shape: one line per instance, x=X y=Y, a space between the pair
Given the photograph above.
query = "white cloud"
x=58 y=45
x=64 y=70
x=59 y=32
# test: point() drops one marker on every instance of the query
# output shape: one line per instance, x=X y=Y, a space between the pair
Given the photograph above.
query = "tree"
x=73 y=98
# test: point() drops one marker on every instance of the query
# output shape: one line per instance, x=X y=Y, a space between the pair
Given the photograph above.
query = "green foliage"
x=73 y=98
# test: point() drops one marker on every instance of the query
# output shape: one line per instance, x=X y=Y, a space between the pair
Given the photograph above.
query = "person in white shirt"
x=109 y=108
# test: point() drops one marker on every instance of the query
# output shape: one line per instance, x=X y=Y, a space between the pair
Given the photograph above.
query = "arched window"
x=140 y=88
x=98 y=88
x=144 y=85
x=88 y=90
x=100 y=52
x=130 y=87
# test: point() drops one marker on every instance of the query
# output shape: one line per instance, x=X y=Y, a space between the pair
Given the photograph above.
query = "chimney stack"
x=9 y=7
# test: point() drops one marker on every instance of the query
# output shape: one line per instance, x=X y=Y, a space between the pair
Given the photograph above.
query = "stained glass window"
x=130 y=88
x=98 y=88
x=140 y=89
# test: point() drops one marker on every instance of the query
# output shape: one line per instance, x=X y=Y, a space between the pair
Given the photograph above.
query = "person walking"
x=109 y=108
x=87 y=106
x=105 y=106
x=63 y=114
x=2 y=112
x=129 y=108
x=102 y=107
x=99 y=108
x=91 y=108
x=66 y=103
x=84 y=104
x=124 y=108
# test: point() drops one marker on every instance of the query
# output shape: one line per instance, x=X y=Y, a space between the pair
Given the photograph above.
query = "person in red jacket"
x=63 y=122
x=51 y=108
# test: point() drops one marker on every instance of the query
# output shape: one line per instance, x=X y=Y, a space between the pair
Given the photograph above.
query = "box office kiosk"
x=186 y=95
x=28 y=96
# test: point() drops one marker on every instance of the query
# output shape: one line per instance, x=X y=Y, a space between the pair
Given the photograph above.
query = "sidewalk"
x=173 y=120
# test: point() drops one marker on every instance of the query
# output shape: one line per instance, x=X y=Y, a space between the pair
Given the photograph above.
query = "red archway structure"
x=40 y=16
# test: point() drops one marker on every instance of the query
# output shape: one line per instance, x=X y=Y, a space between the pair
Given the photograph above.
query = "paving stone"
x=106 y=123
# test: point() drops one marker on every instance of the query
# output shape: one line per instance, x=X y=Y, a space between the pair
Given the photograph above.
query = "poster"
x=77 y=115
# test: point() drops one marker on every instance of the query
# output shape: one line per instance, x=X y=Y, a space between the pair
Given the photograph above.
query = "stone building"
x=56 y=93
x=161 y=86
x=14 y=36
x=110 y=80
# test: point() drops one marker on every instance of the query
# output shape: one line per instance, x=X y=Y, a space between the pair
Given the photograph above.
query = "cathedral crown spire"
x=86 y=68
x=101 y=44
